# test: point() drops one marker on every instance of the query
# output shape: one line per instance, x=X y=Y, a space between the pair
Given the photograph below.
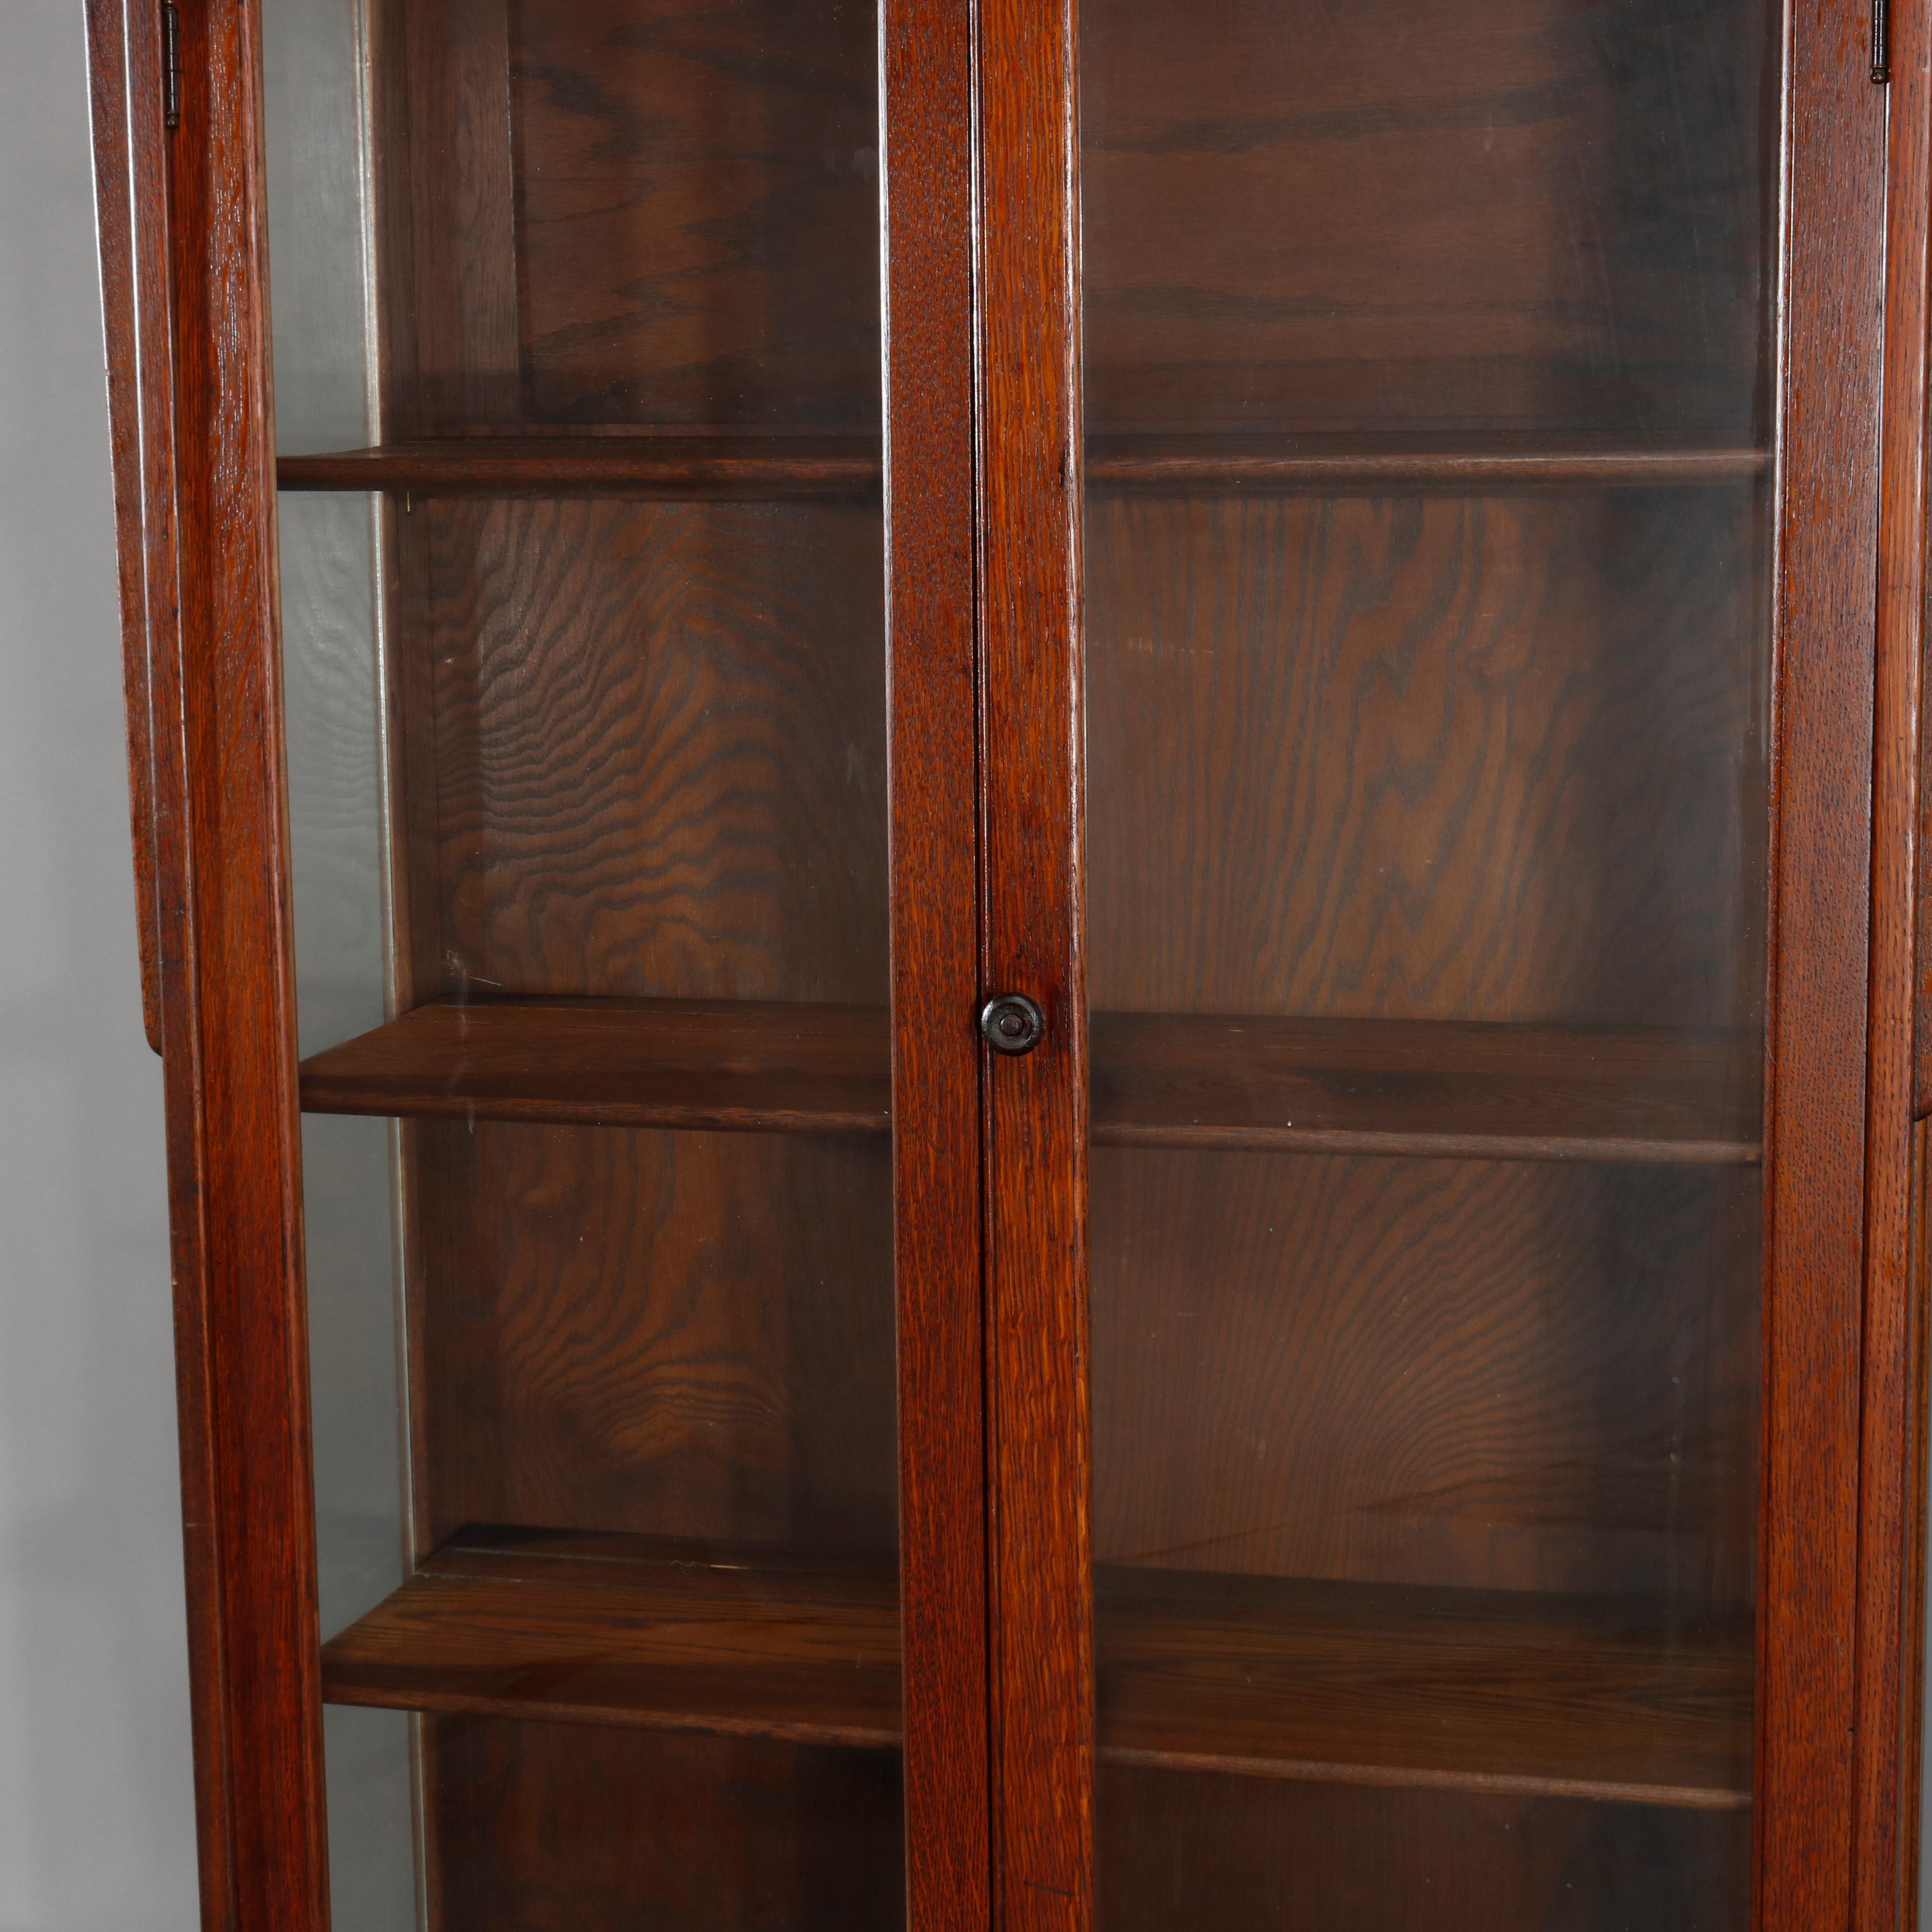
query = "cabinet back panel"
x=631 y=212
x=1270 y=1856
x=1533 y=213
x=686 y=1335
x=659 y=747
x=1513 y=1376
x=1488 y=758
x=555 y=1828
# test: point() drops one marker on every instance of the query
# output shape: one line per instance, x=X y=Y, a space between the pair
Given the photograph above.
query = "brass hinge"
x=1881 y=40
x=171 y=63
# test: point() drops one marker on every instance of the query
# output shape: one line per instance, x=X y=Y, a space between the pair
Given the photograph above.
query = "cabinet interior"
x=1426 y=549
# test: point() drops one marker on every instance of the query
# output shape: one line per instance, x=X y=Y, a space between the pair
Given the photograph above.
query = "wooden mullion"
x=1829 y=376
x=926 y=74
x=1035 y=1106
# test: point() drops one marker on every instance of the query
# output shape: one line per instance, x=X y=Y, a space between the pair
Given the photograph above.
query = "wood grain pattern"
x=1317 y=1682
x=1221 y=1850
x=1299 y=1368
x=1473 y=1091
x=735 y=1640
x=1033 y=941
x=690 y=1063
x=733 y=276
x=670 y=1334
x=559 y=1828
x=1829 y=380
x=660 y=744
x=228 y=1019
x=1546 y=216
x=125 y=57
x=1891 y=1509
x=926 y=60
x=1425 y=758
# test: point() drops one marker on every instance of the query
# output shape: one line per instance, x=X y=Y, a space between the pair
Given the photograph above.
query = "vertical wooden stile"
x=1037 y=1106
x=925 y=82
x=1887 y=1534
x=1829 y=373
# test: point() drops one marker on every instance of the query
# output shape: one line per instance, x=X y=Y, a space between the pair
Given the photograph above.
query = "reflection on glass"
x=1426 y=654
x=586 y=783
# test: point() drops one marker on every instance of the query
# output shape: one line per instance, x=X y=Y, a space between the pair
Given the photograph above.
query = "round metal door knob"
x=1011 y=1023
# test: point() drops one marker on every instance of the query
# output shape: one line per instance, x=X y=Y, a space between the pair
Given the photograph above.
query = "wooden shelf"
x=734 y=1065
x=1371 y=466
x=683 y=467
x=1319 y=1681
x=755 y=467
x=1404 y=1087
x=1426 y=1088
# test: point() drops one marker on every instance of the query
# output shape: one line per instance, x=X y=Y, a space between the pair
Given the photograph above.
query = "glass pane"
x=1427 y=554
x=577 y=377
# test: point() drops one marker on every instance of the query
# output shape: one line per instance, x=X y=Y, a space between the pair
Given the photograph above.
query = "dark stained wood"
x=1431 y=757
x=1339 y=464
x=692 y=1063
x=735 y=278
x=684 y=1335
x=1316 y=1681
x=687 y=467
x=1422 y=1087
x=1537 y=218
x=1222 y=1850
x=228 y=1018
x=1829 y=381
x=660 y=743
x=1297 y=1362
x=1033 y=941
x=1890 y=1503
x=562 y=1827
x=1483 y=1691
x=926 y=80
x=1444 y=1089
x=734 y=1640
x=723 y=465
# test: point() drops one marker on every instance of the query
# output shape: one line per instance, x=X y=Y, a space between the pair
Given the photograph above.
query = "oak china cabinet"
x=1032 y=897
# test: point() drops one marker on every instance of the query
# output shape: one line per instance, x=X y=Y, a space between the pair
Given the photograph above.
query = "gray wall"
x=96 y=1827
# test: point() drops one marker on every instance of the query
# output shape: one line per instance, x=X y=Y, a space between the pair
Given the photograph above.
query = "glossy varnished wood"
x=1891 y=1501
x=692 y=1063
x=1324 y=1683
x=926 y=78
x=1830 y=372
x=1443 y=1089
x=1421 y=1087
x=735 y=1640
x=1033 y=941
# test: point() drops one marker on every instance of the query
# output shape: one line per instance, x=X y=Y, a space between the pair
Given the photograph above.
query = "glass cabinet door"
x=576 y=351
x=1427 y=390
